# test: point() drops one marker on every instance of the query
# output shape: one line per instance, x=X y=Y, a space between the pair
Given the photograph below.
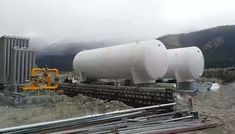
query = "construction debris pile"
x=213 y=106
x=71 y=107
x=144 y=120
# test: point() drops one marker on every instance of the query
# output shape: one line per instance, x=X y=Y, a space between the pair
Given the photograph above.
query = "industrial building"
x=16 y=60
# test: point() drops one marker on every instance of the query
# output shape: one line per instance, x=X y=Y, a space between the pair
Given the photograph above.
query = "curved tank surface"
x=143 y=62
x=185 y=64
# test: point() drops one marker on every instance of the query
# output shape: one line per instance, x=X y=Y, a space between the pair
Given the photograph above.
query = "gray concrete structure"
x=6 y=45
x=22 y=62
x=30 y=100
x=184 y=86
x=16 y=61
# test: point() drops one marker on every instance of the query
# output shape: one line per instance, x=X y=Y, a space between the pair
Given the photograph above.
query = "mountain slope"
x=60 y=55
x=217 y=44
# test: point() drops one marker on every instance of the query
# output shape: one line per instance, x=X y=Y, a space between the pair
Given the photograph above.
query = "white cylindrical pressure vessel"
x=185 y=64
x=143 y=62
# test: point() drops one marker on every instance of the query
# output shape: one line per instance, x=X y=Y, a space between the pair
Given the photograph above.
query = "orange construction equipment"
x=41 y=78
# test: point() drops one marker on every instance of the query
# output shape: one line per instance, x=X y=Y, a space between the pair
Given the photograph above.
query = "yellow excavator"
x=43 y=79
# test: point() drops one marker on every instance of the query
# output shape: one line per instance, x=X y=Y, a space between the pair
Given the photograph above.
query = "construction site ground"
x=218 y=105
x=71 y=107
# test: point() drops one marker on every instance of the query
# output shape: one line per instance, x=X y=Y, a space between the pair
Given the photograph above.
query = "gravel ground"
x=220 y=105
x=71 y=107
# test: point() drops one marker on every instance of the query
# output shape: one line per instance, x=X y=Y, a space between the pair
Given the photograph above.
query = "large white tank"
x=143 y=62
x=185 y=64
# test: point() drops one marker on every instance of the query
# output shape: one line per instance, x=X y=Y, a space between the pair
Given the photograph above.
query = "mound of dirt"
x=71 y=107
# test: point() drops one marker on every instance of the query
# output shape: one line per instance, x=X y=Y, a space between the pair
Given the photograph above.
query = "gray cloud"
x=95 y=20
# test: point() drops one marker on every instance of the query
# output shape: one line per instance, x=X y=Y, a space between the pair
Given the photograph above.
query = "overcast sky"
x=95 y=20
